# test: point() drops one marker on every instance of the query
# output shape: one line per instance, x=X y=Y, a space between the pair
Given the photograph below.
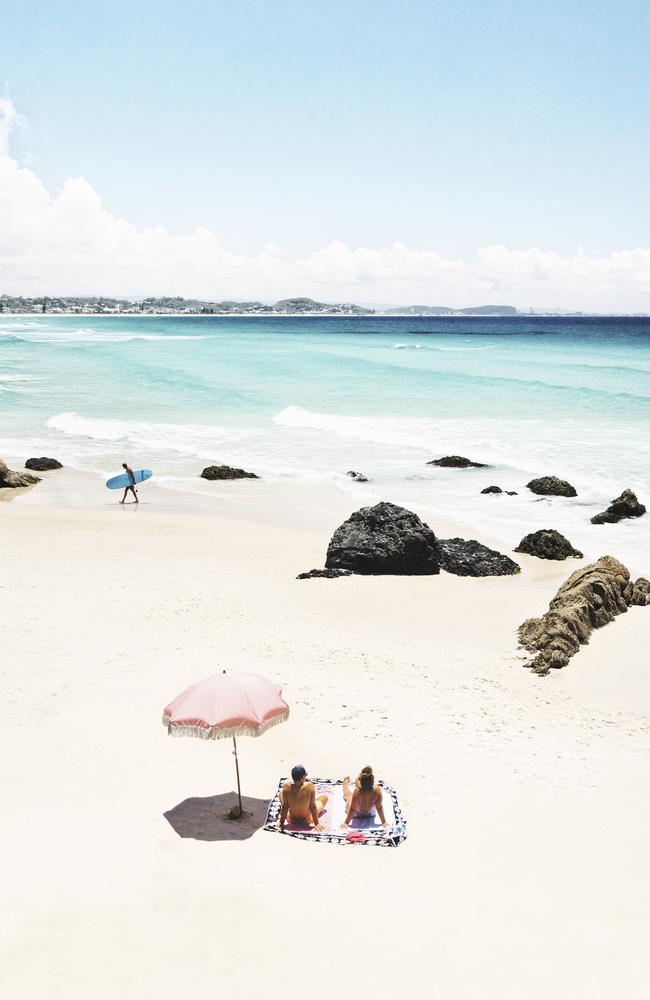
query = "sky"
x=421 y=152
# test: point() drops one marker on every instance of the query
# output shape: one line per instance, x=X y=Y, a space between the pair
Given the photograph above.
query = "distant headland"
x=165 y=306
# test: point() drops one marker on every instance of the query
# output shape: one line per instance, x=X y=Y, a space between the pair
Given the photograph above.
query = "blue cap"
x=298 y=772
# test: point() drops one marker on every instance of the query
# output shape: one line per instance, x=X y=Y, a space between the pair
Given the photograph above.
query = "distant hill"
x=448 y=311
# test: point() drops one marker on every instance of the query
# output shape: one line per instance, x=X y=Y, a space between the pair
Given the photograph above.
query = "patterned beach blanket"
x=367 y=830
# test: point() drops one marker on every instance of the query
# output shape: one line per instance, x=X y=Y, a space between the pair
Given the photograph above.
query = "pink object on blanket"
x=226 y=704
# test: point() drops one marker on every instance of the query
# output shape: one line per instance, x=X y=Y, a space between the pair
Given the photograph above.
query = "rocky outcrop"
x=497 y=489
x=226 y=472
x=464 y=557
x=456 y=462
x=589 y=599
x=641 y=592
x=10 y=480
x=42 y=464
x=551 y=486
x=626 y=505
x=357 y=476
x=384 y=539
x=329 y=574
x=548 y=544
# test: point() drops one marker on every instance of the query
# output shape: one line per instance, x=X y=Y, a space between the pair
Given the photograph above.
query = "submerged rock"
x=551 y=486
x=589 y=599
x=512 y=493
x=492 y=489
x=456 y=462
x=626 y=505
x=466 y=557
x=548 y=544
x=329 y=574
x=15 y=480
x=641 y=592
x=357 y=476
x=384 y=539
x=42 y=464
x=226 y=472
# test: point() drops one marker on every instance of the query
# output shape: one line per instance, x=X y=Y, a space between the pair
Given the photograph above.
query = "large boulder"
x=492 y=489
x=548 y=544
x=626 y=505
x=466 y=557
x=42 y=464
x=589 y=599
x=10 y=480
x=456 y=462
x=384 y=539
x=226 y=472
x=551 y=486
x=641 y=592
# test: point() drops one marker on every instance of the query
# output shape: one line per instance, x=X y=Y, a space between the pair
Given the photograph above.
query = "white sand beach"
x=524 y=873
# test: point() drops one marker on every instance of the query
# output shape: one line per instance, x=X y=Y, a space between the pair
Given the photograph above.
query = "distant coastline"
x=18 y=305
x=177 y=306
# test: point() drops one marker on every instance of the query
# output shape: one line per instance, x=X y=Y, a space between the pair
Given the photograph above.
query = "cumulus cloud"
x=66 y=242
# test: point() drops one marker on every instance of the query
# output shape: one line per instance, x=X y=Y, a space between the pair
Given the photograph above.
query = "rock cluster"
x=626 y=505
x=15 y=480
x=589 y=599
x=548 y=544
x=551 y=486
x=456 y=462
x=497 y=489
x=466 y=557
x=42 y=464
x=357 y=476
x=384 y=539
x=329 y=574
x=226 y=472
x=387 y=539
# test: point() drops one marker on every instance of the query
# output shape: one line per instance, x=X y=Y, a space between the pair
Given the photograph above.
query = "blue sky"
x=446 y=127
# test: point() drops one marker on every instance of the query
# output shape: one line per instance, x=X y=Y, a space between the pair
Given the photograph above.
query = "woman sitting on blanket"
x=364 y=800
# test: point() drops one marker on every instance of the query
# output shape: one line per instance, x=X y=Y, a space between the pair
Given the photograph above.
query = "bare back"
x=301 y=800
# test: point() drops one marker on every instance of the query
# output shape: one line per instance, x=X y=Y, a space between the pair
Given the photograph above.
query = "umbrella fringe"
x=216 y=733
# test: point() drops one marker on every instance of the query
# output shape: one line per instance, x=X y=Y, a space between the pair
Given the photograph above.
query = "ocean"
x=307 y=399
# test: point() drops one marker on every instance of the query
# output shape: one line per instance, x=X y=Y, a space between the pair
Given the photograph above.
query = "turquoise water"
x=306 y=399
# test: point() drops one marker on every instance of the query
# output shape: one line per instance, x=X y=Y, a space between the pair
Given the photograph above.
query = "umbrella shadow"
x=208 y=818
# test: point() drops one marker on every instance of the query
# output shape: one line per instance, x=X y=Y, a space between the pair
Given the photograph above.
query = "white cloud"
x=68 y=243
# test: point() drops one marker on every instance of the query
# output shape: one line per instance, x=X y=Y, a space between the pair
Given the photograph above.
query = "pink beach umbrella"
x=224 y=705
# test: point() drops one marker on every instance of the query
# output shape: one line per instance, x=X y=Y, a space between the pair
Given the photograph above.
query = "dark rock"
x=226 y=472
x=357 y=476
x=456 y=462
x=42 y=464
x=626 y=505
x=464 y=557
x=15 y=480
x=384 y=539
x=512 y=493
x=551 y=486
x=641 y=592
x=329 y=574
x=589 y=599
x=492 y=489
x=548 y=544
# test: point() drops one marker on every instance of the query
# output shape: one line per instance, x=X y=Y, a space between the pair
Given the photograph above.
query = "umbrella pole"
x=241 y=808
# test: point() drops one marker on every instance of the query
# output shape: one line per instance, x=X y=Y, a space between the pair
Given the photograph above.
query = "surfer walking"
x=131 y=486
